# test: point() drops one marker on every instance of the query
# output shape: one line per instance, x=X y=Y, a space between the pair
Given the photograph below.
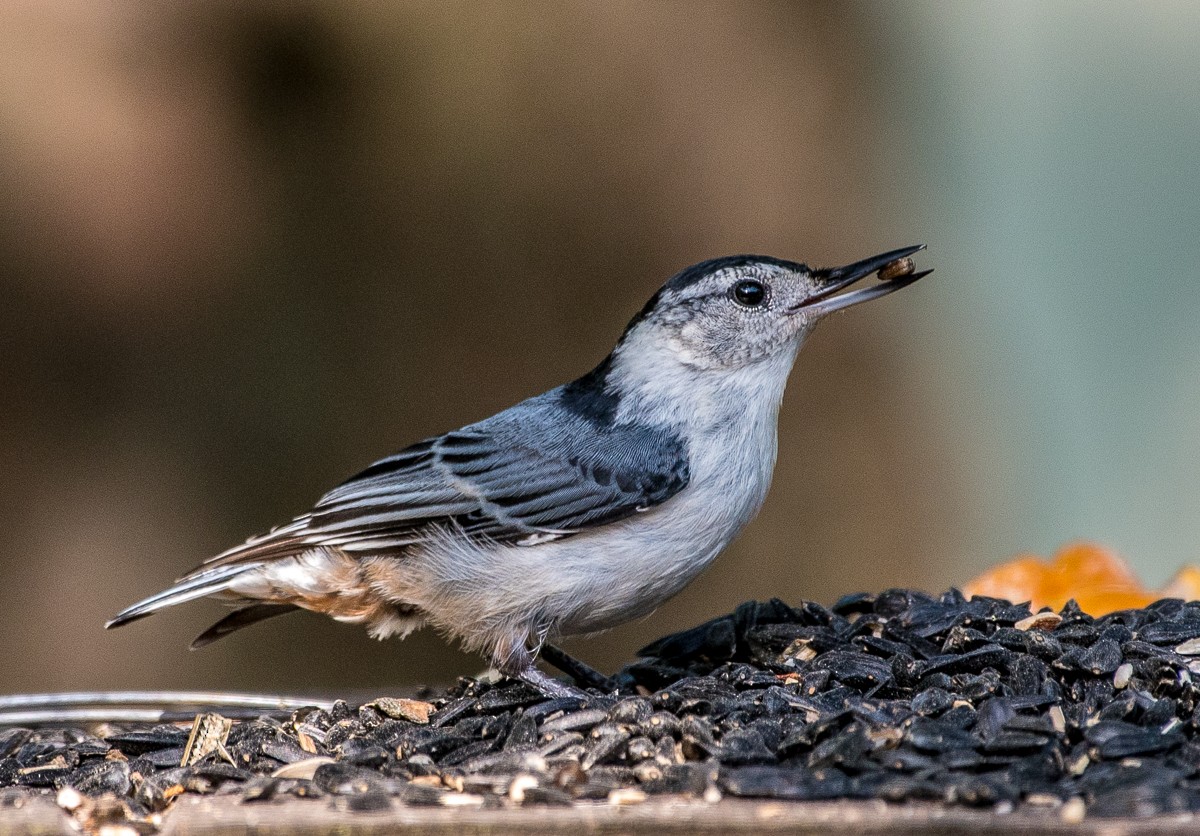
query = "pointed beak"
x=832 y=280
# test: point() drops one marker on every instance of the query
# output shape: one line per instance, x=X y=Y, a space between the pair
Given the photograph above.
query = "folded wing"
x=522 y=476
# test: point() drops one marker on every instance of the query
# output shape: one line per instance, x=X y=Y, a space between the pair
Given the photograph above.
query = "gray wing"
x=532 y=473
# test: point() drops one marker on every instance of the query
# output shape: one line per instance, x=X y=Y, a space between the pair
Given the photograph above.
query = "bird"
x=573 y=511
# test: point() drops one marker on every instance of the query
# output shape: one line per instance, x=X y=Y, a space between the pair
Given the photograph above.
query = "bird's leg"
x=518 y=663
x=581 y=672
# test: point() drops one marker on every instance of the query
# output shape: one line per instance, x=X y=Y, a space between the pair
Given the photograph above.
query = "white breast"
x=632 y=568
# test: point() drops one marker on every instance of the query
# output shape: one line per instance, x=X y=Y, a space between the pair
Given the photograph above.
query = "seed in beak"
x=896 y=269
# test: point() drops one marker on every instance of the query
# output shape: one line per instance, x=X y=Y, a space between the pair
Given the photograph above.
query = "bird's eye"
x=749 y=293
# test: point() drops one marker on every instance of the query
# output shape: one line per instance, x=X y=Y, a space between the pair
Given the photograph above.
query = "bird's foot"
x=549 y=686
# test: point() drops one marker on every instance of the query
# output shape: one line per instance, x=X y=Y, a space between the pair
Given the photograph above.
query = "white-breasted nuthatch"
x=573 y=511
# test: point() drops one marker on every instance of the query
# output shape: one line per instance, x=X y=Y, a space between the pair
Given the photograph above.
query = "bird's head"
x=732 y=312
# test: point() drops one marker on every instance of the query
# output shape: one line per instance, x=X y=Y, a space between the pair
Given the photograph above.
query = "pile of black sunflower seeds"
x=898 y=696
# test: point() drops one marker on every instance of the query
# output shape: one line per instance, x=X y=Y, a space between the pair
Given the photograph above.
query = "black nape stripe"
x=590 y=397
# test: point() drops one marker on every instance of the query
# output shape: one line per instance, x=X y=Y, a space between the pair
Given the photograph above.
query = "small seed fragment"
x=465 y=799
x=69 y=799
x=1042 y=799
x=1040 y=621
x=303 y=770
x=516 y=790
x=1122 y=676
x=415 y=711
x=896 y=269
x=1191 y=647
x=1074 y=811
x=626 y=795
x=209 y=733
x=1078 y=766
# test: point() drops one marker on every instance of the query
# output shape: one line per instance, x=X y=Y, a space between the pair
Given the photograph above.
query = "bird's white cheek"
x=683 y=346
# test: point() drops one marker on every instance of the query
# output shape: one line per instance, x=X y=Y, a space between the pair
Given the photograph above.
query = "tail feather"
x=219 y=573
x=238 y=619
x=190 y=588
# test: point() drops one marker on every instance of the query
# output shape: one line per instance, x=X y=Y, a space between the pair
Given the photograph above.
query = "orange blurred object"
x=1098 y=580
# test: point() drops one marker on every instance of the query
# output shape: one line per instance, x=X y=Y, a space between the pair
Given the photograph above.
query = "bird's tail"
x=190 y=588
x=221 y=572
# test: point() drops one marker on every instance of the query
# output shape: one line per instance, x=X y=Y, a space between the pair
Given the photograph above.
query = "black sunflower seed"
x=99 y=777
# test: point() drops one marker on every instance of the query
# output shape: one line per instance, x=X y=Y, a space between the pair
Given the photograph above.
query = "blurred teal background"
x=247 y=248
x=1058 y=147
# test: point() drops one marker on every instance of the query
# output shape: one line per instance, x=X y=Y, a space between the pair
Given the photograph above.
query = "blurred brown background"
x=247 y=248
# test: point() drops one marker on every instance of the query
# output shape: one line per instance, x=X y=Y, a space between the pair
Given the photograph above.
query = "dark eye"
x=749 y=293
